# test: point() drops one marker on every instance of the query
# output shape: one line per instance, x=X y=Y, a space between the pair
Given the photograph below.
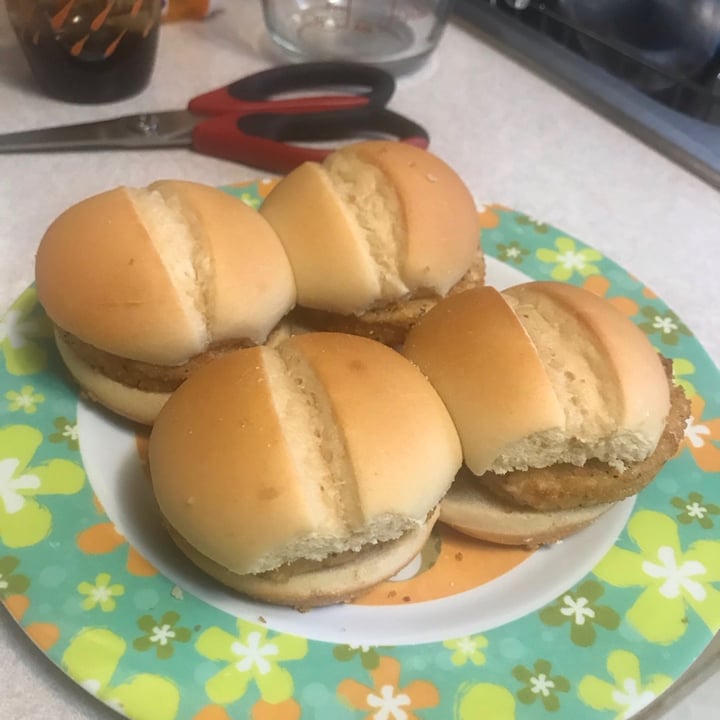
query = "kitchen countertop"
x=514 y=138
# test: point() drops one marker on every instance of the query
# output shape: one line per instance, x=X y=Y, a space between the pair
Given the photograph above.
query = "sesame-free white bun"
x=472 y=509
x=376 y=223
x=562 y=405
x=542 y=373
x=139 y=279
x=142 y=406
x=324 y=445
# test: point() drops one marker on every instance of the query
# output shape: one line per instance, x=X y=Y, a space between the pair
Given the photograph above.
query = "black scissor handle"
x=348 y=85
x=317 y=75
x=266 y=140
x=336 y=125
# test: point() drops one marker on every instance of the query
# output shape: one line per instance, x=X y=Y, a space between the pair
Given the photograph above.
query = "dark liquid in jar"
x=91 y=57
x=126 y=72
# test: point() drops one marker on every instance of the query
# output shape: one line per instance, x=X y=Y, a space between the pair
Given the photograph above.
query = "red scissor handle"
x=264 y=140
x=362 y=85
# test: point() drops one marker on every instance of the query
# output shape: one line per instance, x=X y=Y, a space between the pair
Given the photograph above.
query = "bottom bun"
x=471 y=509
x=139 y=405
x=305 y=585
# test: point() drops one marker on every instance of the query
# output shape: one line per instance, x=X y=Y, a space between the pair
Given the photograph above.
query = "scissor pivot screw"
x=146 y=124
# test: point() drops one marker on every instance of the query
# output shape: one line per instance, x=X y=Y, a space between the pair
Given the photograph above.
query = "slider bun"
x=325 y=444
x=158 y=274
x=311 y=584
x=376 y=222
x=540 y=374
x=471 y=509
x=139 y=405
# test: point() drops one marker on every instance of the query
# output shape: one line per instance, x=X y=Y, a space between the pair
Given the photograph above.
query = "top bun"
x=376 y=222
x=158 y=274
x=320 y=446
x=542 y=373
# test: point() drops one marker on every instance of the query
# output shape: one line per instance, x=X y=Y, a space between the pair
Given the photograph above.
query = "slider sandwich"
x=376 y=234
x=562 y=405
x=306 y=473
x=144 y=285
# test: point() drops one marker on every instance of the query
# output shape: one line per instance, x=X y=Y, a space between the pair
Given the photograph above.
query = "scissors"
x=246 y=123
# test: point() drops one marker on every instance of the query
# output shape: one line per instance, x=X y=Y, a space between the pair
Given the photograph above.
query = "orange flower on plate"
x=599 y=285
x=702 y=437
x=212 y=712
x=44 y=635
x=487 y=216
x=386 y=700
x=103 y=538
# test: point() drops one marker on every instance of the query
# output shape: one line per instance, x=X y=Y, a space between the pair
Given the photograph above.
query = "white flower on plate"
x=162 y=634
x=571 y=260
x=9 y=486
x=253 y=654
x=25 y=398
x=71 y=432
x=696 y=510
x=632 y=700
x=3 y=583
x=100 y=593
x=11 y=329
x=388 y=704
x=541 y=684
x=16 y=328
x=94 y=687
x=577 y=609
x=676 y=578
x=694 y=432
x=665 y=324
x=361 y=648
x=467 y=645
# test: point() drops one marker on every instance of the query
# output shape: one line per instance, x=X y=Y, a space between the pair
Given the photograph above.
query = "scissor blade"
x=147 y=130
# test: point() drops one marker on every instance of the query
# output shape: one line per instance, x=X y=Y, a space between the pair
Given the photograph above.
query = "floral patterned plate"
x=594 y=627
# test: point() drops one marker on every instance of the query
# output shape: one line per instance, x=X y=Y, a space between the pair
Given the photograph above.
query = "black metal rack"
x=678 y=114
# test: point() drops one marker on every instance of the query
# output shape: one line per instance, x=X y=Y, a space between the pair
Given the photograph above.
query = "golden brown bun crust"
x=471 y=509
x=565 y=486
x=540 y=374
x=439 y=212
x=251 y=285
x=629 y=355
x=158 y=274
x=316 y=231
x=322 y=584
x=468 y=346
x=221 y=464
x=235 y=453
x=99 y=278
x=400 y=224
x=389 y=324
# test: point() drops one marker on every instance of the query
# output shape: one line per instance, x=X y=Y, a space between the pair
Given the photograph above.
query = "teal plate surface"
x=595 y=627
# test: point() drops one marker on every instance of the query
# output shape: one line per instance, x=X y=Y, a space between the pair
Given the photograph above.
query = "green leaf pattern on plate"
x=674 y=580
x=92 y=659
x=22 y=326
x=11 y=583
x=628 y=693
x=467 y=649
x=250 y=656
x=582 y=612
x=568 y=259
x=23 y=520
x=540 y=685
